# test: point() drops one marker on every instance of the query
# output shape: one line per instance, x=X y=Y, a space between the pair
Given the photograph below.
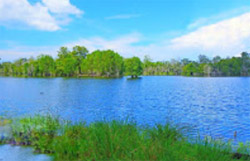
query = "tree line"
x=78 y=62
x=215 y=67
x=107 y=63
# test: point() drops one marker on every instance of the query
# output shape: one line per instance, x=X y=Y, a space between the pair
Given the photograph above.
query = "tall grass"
x=115 y=140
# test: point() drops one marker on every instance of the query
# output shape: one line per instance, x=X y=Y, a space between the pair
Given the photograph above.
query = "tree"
x=207 y=70
x=1 y=68
x=191 y=69
x=230 y=67
x=147 y=61
x=66 y=65
x=185 y=61
x=203 y=59
x=7 y=70
x=18 y=67
x=147 y=65
x=63 y=52
x=245 y=69
x=79 y=53
x=108 y=63
x=133 y=67
x=33 y=68
x=177 y=67
x=103 y=63
x=216 y=59
x=46 y=65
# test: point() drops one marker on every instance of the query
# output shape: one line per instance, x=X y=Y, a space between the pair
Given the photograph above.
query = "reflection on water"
x=15 y=153
x=214 y=106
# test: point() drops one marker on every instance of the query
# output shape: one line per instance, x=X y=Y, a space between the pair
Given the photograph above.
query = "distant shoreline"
x=109 y=64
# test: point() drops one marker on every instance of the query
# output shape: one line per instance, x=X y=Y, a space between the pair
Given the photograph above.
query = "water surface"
x=15 y=153
x=214 y=106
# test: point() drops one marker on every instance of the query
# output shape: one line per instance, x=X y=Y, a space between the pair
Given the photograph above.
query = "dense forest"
x=235 y=66
x=107 y=63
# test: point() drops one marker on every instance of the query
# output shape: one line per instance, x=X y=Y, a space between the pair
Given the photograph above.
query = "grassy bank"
x=112 y=141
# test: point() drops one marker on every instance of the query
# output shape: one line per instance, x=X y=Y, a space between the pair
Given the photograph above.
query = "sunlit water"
x=213 y=106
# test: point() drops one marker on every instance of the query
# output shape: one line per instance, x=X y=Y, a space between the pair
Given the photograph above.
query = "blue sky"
x=162 y=29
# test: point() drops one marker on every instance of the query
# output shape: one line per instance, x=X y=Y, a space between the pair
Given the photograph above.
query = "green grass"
x=115 y=140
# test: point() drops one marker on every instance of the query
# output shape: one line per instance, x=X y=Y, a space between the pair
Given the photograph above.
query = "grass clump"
x=115 y=140
x=38 y=131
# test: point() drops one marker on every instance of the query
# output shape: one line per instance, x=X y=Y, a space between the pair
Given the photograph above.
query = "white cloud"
x=62 y=6
x=203 y=21
x=125 y=45
x=227 y=37
x=122 y=16
x=20 y=13
x=26 y=52
x=118 y=44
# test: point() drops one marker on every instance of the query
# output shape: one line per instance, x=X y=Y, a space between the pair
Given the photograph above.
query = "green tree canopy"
x=203 y=59
x=103 y=63
x=46 y=65
x=133 y=67
x=107 y=63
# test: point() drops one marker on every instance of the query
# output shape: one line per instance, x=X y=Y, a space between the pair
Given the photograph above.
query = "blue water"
x=212 y=106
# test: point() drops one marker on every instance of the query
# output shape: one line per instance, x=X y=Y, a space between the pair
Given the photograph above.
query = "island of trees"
x=107 y=63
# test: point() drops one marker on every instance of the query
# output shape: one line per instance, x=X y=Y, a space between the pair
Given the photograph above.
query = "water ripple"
x=212 y=106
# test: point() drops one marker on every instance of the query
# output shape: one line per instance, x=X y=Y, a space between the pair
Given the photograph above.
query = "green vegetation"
x=103 y=63
x=133 y=67
x=115 y=140
x=173 y=67
x=77 y=62
x=235 y=66
x=107 y=63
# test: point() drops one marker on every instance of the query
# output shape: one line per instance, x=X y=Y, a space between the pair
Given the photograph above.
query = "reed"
x=115 y=140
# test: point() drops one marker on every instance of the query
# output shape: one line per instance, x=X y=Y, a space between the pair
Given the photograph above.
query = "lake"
x=212 y=106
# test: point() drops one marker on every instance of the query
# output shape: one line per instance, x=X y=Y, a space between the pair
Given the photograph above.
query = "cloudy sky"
x=163 y=29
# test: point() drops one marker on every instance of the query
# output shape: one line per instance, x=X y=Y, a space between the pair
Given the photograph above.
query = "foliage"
x=191 y=69
x=46 y=65
x=77 y=62
x=235 y=66
x=103 y=63
x=133 y=67
x=115 y=140
x=38 y=131
x=203 y=59
x=107 y=63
